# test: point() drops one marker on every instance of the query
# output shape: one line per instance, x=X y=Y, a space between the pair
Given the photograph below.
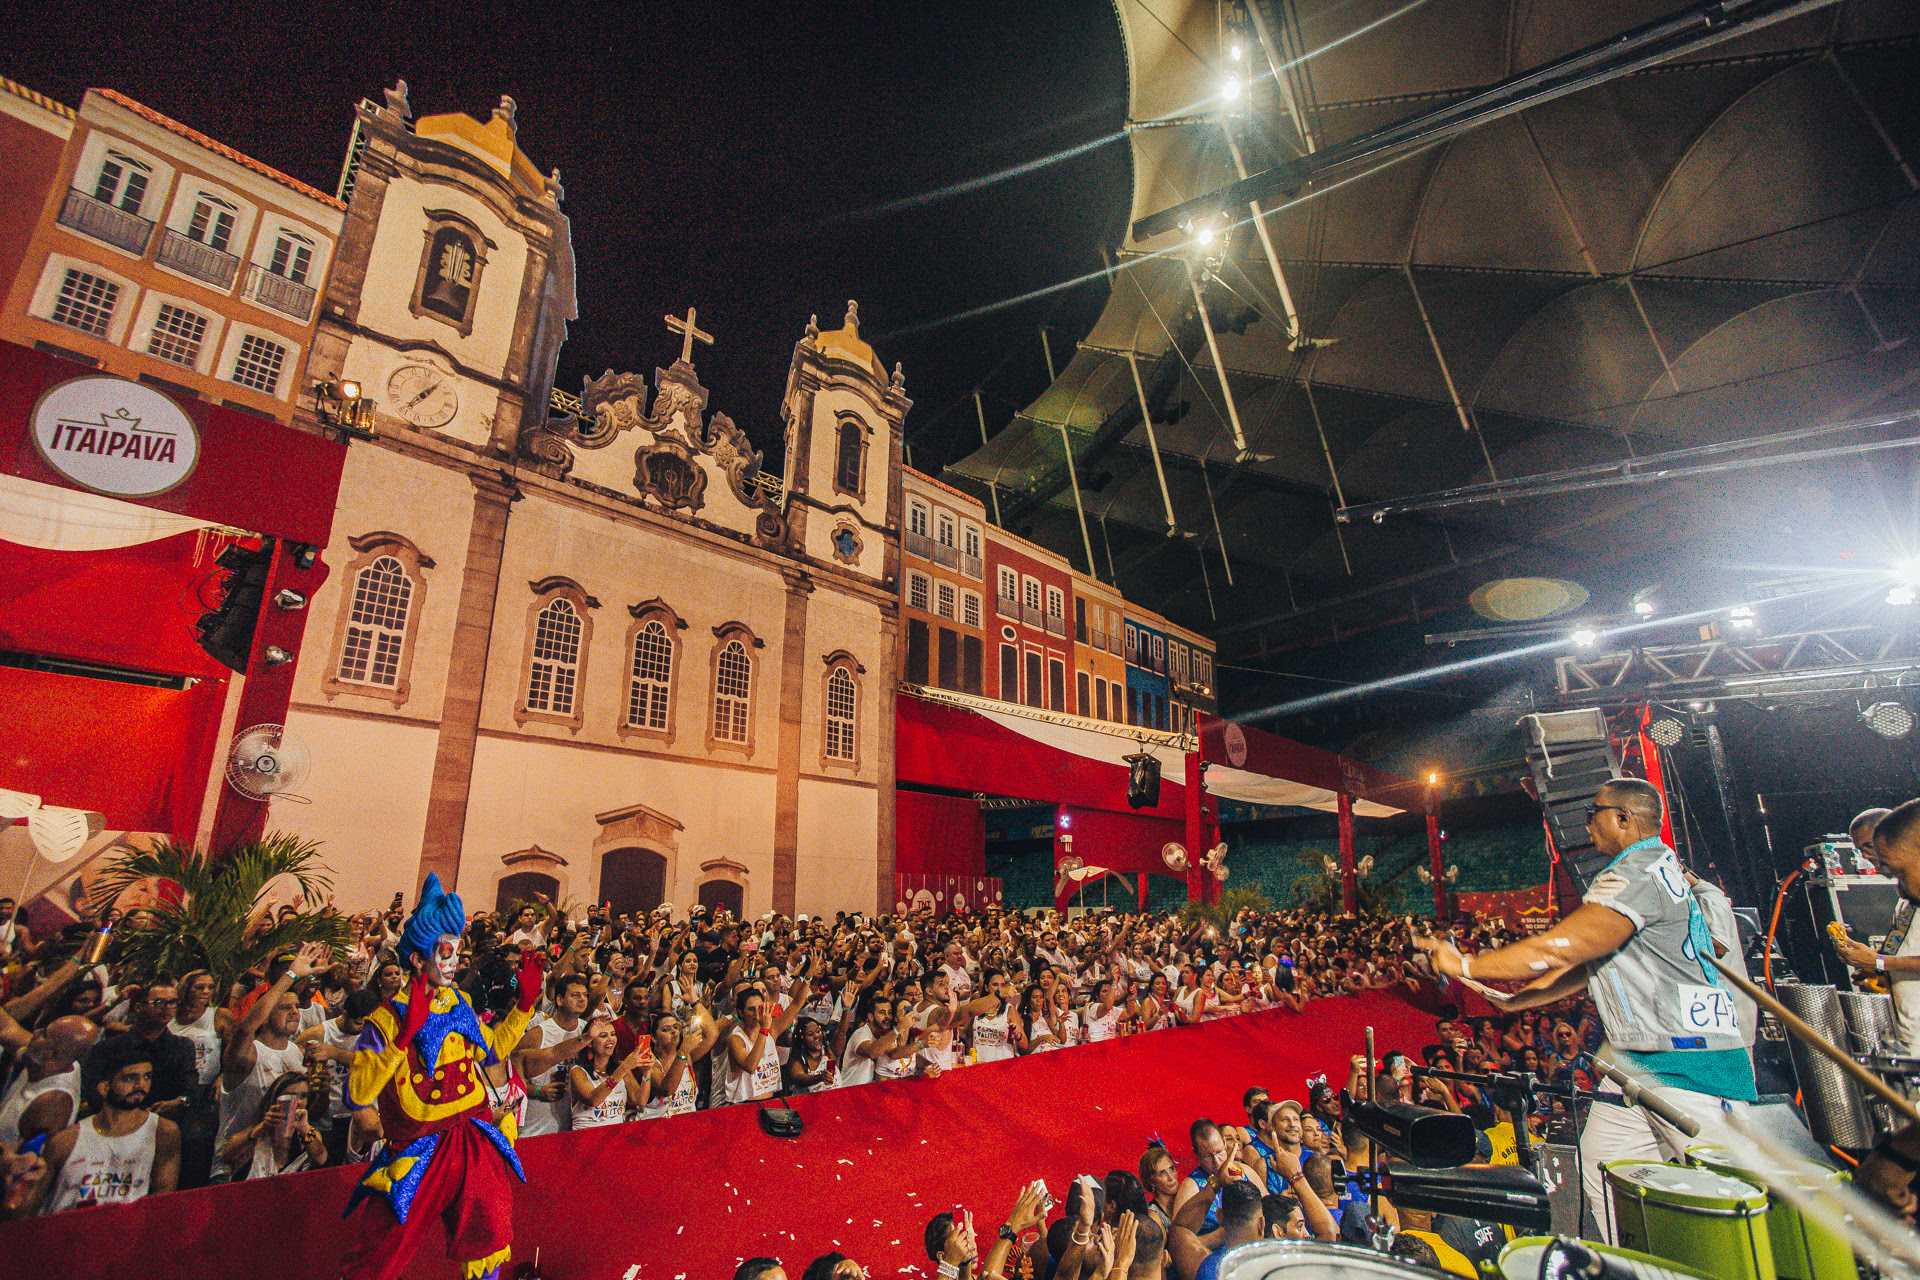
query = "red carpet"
x=691 y=1196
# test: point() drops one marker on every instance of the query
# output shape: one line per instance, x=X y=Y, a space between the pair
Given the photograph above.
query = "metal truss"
x=1822 y=660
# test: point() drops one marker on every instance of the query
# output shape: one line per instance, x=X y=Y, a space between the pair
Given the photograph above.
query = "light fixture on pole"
x=340 y=405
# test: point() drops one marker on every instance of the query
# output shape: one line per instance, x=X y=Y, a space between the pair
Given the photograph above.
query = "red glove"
x=533 y=971
x=419 y=1005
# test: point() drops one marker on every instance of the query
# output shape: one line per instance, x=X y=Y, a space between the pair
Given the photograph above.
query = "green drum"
x=1692 y=1216
x=1802 y=1248
x=1520 y=1260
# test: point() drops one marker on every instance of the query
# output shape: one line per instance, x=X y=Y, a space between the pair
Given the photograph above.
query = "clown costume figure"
x=420 y=1062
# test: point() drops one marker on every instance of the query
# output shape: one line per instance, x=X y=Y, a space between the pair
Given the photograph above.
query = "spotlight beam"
x=971 y=184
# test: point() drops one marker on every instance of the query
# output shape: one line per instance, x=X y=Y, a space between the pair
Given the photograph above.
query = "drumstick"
x=1873 y=1083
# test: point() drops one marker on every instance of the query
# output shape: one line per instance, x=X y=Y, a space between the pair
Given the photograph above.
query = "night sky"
x=712 y=155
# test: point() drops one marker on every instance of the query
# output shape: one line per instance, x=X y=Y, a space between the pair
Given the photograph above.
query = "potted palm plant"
x=216 y=920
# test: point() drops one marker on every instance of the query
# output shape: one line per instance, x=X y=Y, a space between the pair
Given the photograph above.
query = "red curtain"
x=127 y=607
x=938 y=835
x=137 y=755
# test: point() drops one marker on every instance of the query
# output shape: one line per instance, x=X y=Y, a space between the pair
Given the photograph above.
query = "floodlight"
x=1204 y=235
x=1889 y=719
x=1231 y=89
x=1584 y=637
x=1902 y=594
x=1643 y=608
x=1235 y=51
x=1666 y=732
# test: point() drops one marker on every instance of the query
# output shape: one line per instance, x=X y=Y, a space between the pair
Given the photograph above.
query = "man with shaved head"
x=45 y=1097
x=1641 y=946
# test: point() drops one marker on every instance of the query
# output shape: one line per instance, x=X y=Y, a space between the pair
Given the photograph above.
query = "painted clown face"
x=444 y=960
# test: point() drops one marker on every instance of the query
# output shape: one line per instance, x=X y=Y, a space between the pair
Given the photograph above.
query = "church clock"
x=422 y=395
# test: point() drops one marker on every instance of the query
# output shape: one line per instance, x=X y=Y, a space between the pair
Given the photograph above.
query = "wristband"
x=1879 y=964
x=947 y=1270
x=1008 y=1234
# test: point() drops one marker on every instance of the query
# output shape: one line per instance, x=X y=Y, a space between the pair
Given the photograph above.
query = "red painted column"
x=264 y=698
x=1439 y=872
x=1196 y=833
x=1349 y=882
x=1143 y=891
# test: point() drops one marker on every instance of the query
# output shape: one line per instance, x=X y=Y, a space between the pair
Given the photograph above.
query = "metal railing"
x=972 y=566
x=946 y=556
x=1006 y=606
x=102 y=221
x=1057 y=626
x=288 y=297
x=1033 y=616
x=1099 y=639
x=917 y=544
x=201 y=261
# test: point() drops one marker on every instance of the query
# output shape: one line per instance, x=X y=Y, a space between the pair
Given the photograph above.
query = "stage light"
x=1908 y=571
x=1889 y=719
x=1432 y=778
x=1204 y=235
x=1236 y=52
x=1231 y=89
x=275 y=656
x=1667 y=732
x=1584 y=637
x=349 y=390
x=1066 y=820
x=1643 y=608
x=1741 y=617
x=288 y=600
x=1902 y=595
x=304 y=554
x=340 y=405
x=1699 y=707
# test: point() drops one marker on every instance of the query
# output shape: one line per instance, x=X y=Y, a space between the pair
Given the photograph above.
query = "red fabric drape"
x=938 y=835
x=127 y=607
x=137 y=755
x=693 y=1196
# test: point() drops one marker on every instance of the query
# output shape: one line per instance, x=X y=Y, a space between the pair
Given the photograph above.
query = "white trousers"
x=1634 y=1133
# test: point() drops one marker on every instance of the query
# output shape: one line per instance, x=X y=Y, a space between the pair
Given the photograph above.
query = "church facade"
x=597 y=655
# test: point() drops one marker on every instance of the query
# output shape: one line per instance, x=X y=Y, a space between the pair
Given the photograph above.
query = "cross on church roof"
x=688 y=332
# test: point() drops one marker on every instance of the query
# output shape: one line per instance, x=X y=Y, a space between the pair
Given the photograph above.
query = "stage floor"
x=688 y=1198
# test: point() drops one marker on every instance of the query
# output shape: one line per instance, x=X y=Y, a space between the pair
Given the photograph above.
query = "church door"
x=718 y=894
x=521 y=886
x=633 y=880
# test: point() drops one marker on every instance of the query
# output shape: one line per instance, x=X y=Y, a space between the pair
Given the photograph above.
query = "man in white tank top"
x=119 y=1155
x=262 y=1050
x=46 y=1096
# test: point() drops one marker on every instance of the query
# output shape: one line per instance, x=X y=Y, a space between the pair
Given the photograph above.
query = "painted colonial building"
x=601 y=654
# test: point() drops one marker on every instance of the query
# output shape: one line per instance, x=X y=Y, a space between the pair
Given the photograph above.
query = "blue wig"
x=439 y=913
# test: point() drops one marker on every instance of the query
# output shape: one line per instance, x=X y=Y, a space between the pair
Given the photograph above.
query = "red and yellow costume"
x=444 y=1159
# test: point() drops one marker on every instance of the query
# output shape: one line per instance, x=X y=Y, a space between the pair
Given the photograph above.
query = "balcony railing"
x=971 y=566
x=946 y=555
x=1057 y=626
x=1099 y=639
x=201 y=261
x=288 y=297
x=102 y=221
x=1006 y=606
x=1033 y=616
x=917 y=544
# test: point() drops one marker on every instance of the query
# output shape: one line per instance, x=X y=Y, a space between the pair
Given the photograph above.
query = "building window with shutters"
x=917 y=589
x=943 y=599
x=970 y=608
x=653 y=664
x=1009 y=673
x=177 y=335
x=731 y=725
x=1100 y=699
x=258 y=364
x=850 y=459
x=949 y=658
x=85 y=302
x=211 y=223
x=842 y=705
x=919 y=646
x=972 y=655
x=559 y=629
x=1084 y=687
x=384 y=589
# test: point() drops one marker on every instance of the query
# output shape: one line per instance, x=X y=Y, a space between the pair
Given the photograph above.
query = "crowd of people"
x=644 y=1017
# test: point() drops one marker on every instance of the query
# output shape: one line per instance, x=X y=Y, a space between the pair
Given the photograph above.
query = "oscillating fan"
x=267 y=763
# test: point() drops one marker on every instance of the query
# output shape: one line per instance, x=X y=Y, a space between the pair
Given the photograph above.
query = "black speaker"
x=1427 y=1136
x=1571 y=756
x=226 y=633
x=1143 y=781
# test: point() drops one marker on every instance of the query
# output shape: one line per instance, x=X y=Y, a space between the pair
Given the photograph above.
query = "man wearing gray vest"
x=1638 y=944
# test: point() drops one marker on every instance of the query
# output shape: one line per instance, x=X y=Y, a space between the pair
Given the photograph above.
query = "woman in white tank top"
x=199 y=1023
x=1033 y=1016
x=604 y=1088
x=672 y=1083
x=282 y=1137
x=1156 y=1010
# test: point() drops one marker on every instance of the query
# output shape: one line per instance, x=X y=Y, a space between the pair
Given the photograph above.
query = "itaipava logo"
x=114 y=436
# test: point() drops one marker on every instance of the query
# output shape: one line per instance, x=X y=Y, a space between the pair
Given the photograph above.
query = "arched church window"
x=652 y=686
x=848 y=458
x=452 y=260
x=842 y=703
x=732 y=693
x=384 y=590
x=559 y=630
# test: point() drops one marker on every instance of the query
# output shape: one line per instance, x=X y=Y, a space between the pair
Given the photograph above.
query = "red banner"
x=1530 y=909
x=944 y=893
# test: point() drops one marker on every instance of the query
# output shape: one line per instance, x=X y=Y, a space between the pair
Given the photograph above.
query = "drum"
x=1313 y=1260
x=1802 y=1249
x=1692 y=1216
x=1520 y=1260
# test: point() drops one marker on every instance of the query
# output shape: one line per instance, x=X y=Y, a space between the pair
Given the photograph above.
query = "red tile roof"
x=218 y=148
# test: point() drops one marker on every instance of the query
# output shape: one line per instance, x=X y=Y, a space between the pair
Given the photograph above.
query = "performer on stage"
x=1639 y=944
x=420 y=1061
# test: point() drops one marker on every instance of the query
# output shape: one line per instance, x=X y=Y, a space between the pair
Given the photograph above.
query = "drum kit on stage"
x=1759 y=1213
